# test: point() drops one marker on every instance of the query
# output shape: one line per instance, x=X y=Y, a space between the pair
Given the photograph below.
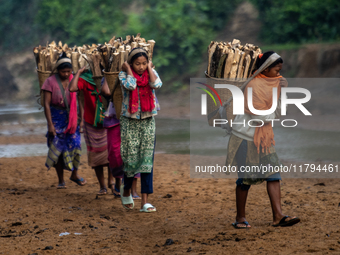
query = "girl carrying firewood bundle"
x=138 y=81
x=254 y=146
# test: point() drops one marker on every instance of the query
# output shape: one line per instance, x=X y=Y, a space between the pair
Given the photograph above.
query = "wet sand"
x=196 y=215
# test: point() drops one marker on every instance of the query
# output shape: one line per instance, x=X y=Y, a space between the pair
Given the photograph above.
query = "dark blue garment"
x=66 y=145
x=241 y=156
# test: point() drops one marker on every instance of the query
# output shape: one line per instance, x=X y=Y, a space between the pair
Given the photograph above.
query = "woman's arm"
x=47 y=110
x=157 y=83
x=73 y=86
x=105 y=89
x=127 y=80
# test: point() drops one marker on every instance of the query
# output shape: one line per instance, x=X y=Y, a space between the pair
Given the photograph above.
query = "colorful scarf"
x=145 y=94
x=72 y=111
x=99 y=114
x=72 y=117
x=262 y=100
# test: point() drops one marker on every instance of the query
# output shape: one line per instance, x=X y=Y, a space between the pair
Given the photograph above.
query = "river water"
x=174 y=136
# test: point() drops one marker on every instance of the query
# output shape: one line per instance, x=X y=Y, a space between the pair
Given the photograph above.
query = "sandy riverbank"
x=197 y=217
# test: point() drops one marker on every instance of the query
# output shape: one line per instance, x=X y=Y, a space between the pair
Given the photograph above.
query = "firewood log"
x=221 y=64
x=74 y=60
x=82 y=60
x=115 y=62
x=121 y=58
x=240 y=69
x=233 y=71
x=246 y=67
x=256 y=53
x=96 y=64
x=112 y=40
x=228 y=63
x=216 y=59
x=48 y=66
x=152 y=45
x=41 y=61
x=211 y=51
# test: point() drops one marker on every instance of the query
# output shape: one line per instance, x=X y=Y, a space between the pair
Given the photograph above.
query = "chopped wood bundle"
x=109 y=57
x=231 y=60
x=115 y=53
x=46 y=57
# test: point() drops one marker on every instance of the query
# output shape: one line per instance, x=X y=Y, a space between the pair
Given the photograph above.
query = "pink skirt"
x=113 y=147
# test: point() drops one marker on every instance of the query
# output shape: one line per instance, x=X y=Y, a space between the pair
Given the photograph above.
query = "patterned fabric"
x=128 y=83
x=253 y=158
x=99 y=112
x=137 y=146
x=66 y=145
x=96 y=142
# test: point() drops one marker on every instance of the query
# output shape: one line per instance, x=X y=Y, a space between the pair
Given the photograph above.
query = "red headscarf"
x=145 y=94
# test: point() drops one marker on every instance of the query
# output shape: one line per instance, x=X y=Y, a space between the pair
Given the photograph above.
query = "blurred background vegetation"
x=182 y=29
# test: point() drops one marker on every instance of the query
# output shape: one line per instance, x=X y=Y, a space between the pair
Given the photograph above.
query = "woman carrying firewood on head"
x=137 y=124
x=63 y=137
x=254 y=146
x=94 y=132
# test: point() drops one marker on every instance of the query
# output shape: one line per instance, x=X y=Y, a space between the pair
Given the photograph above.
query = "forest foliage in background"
x=182 y=29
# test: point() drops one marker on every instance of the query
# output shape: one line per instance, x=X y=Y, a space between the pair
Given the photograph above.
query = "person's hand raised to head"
x=126 y=67
x=81 y=70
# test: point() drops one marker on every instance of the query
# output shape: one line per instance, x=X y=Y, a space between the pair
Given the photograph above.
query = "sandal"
x=238 y=223
x=61 y=186
x=115 y=190
x=146 y=207
x=80 y=182
x=102 y=192
x=284 y=223
x=136 y=197
x=126 y=200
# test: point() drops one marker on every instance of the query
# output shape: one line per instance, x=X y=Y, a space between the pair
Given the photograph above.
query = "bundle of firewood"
x=115 y=53
x=231 y=60
x=109 y=56
x=46 y=57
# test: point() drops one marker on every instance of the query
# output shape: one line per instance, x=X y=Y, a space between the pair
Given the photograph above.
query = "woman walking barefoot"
x=63 y=137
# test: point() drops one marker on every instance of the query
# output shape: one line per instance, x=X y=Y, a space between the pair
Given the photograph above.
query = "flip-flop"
x=126 y=200
x=284 y=223
x=114 y=190
x=136 y=197
x=146 y=207
x=117 y=190
x=102 y=192
x=61 y=186
x=80 y=182
x=243 y=222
